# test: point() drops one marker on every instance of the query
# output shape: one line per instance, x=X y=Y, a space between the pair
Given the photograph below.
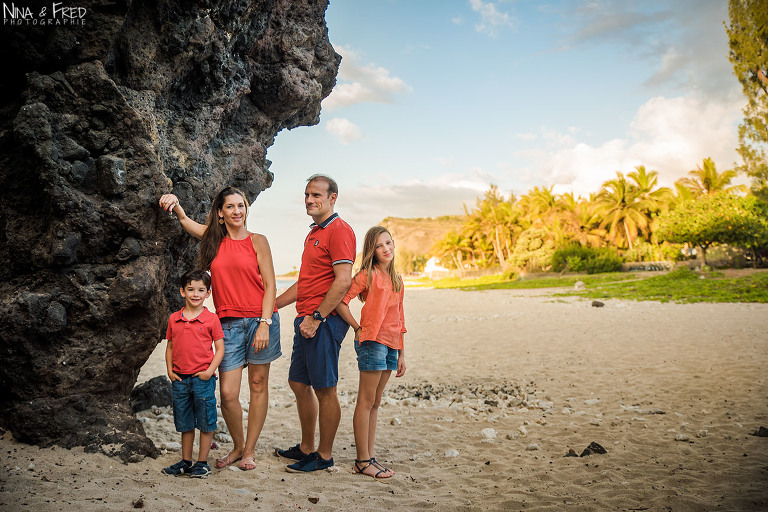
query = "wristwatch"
x=317 y=316
x=268 y=321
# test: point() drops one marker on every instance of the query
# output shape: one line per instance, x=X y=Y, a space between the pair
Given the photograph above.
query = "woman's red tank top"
x=236 y=283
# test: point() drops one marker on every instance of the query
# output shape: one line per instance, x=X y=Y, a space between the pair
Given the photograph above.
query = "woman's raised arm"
x=170 y=203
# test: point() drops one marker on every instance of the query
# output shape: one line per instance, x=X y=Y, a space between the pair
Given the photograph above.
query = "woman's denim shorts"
x=238 y=342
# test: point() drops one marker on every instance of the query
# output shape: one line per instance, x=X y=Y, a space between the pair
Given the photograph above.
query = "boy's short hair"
x=196 y=275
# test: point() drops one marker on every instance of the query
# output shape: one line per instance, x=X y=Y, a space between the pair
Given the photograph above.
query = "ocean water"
x=283 y=284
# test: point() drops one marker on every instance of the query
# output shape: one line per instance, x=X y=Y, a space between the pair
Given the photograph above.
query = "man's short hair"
x=333 y=188
x=195 y=275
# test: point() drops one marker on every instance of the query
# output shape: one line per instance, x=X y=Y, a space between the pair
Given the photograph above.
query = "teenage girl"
x=378 y=340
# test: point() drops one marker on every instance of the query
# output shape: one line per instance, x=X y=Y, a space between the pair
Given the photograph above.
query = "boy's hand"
x=261 y=338
x=206 y=375
x=172 y=375
x=400 y=366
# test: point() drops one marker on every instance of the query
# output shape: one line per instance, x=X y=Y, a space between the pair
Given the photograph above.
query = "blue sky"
x=436 y=100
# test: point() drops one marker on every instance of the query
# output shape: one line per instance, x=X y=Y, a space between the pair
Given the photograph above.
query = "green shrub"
x=644 y=251
x=605 y=262
x=594 y=260
x=574 y=263
x=563 y=257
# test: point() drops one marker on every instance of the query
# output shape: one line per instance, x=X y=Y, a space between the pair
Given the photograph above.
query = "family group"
x=236 y=267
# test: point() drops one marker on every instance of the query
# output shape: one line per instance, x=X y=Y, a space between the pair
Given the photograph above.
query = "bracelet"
x=358 y=328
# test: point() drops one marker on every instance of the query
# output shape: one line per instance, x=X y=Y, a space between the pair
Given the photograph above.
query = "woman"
x=243 y=286
x=378 y=340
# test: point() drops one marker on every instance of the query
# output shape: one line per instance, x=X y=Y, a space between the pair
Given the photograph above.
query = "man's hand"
x=308 y=326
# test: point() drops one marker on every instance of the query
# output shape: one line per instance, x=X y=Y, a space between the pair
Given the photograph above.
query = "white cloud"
x=362 y=83
x=344 y=130
x=491 y=19
x=668 y=135
x=685 y=40
x=445 y=195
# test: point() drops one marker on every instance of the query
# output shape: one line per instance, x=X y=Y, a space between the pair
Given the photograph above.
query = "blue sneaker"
x=200 y=470
x=182 y=467
x=294 y=452
x=312 y=462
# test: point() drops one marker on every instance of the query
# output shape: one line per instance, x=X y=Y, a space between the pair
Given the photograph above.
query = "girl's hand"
x=357 y=333
x=400 y=366
x=168 y=202
x=261 y=339
x=172 y=375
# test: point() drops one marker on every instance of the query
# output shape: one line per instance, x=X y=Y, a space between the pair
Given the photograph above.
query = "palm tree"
x=454 y=245
x=541 y=203
x=622 y=209
x=655 y=199
x=682 y=194
x=706 y=180
x=495 y=220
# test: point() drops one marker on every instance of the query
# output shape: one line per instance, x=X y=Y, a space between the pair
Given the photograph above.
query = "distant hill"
x=417 y=236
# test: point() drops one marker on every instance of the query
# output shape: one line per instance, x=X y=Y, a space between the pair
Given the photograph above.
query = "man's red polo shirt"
x=327 y=244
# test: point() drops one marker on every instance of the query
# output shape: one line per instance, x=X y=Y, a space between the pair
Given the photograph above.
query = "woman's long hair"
x=215 y=232
x=369 y=260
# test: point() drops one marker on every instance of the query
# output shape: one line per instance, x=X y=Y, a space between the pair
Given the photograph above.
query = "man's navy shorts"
x=315 y=361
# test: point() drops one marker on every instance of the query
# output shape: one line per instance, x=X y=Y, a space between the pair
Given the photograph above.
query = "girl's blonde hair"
x=369 y=255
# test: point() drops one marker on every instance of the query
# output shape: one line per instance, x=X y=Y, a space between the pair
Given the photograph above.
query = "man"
x=324 y=278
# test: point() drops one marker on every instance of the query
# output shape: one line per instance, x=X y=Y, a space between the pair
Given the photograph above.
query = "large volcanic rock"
x=97 y=121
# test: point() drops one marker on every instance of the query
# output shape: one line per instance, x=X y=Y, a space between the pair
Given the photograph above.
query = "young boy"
x=191 y=365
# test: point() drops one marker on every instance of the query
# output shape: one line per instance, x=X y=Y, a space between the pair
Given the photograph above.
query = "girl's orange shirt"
x=382 y=317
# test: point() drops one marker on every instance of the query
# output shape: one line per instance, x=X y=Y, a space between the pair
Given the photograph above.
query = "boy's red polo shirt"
x=193 y=340
x=327 y=244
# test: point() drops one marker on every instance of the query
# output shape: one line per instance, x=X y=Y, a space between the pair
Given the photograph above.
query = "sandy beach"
x=500 y=386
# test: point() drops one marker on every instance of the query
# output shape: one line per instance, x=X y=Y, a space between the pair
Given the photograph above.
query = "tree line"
x=630 y=215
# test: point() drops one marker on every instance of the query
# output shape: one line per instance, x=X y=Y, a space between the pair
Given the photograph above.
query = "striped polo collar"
x=327 y=221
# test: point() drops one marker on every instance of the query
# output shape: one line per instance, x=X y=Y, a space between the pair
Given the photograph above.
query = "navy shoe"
x=182 y=467
x=294 y=452
x=200 y=470
x=312 y=462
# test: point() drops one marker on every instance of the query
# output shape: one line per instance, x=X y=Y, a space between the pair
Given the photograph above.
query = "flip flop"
x=247 y=464
x=226 y=461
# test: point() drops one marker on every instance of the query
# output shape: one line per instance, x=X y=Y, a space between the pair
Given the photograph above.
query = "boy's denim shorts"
x=315 y=361
x=375 y=356
x=194 y=404
x=238 y=342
